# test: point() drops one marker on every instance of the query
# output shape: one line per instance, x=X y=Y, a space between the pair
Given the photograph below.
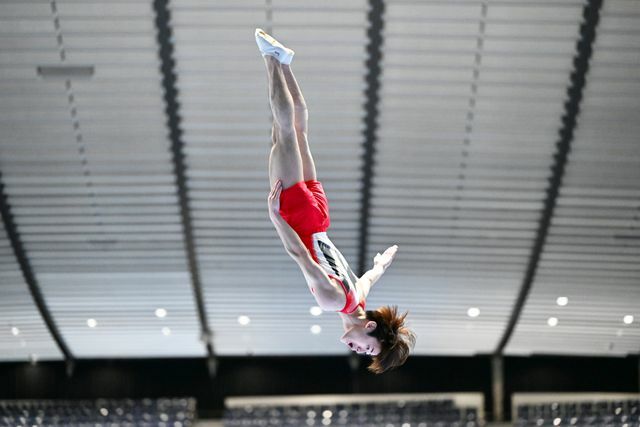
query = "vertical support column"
x=172 y=111
x=497 y=387
x=374 y=50
x=20 y=253
x=584 y=49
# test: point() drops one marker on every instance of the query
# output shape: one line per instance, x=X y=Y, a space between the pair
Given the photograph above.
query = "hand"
x=274 y=199
x=387 y=256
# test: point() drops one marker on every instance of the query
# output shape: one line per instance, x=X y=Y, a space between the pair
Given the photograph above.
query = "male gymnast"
x=299 y=211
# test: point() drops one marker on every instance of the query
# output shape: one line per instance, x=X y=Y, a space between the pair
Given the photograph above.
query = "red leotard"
x=305 y=208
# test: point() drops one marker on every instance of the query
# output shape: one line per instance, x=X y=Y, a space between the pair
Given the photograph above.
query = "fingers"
x=278 y=189
x=274 y=196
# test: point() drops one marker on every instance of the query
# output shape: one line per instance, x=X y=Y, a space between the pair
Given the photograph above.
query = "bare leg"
x=284 y=161
x=301 y=119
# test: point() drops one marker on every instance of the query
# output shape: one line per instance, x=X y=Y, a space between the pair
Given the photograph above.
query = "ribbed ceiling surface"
x=23 y=331
x=471 y=104
x=89 y=178
x=592 y=255
x=471 y=99
x=227 y=132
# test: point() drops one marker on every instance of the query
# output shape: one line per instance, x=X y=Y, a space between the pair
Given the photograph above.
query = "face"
x=357 y=340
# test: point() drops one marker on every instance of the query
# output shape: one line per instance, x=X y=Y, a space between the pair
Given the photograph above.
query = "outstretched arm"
x=380 y=264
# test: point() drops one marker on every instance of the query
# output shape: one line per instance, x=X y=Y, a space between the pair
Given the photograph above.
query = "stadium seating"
x=374 y=414
x=609 y=413
x=165 y=412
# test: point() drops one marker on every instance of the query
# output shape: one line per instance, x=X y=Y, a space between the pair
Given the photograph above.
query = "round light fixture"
x=244 y=320
x=316 y=329
x=562 y=301
x=552 y=321
x=473 y=312
x=315 y=311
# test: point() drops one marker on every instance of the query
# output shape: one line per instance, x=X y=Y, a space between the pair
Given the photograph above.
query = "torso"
x=325 y=253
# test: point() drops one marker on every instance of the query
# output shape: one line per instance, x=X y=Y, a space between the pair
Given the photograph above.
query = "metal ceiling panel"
x=89 y=176
x=226 y=123
x=592 y=255
x=24 y=334
x=471 y=99
x=470 y=108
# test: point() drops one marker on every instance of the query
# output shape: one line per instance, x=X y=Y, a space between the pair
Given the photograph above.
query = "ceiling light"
x=315 y=311
x=628 y=319
x=552 y=321
x=92 y=323
x=316 y=329
x=166 y=331
x=562 y=301
x=473 y=312
x=327 y=413
x=104 y=411
x=557 y=421
x=244 y=320
x=161 y=312
x=15 y=331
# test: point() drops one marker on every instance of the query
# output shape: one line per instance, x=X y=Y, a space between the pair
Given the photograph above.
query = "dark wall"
x=238 y=377
x=244 y=376
x=569 y=374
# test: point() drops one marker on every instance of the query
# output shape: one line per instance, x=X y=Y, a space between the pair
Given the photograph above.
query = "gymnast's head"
x=383 y=337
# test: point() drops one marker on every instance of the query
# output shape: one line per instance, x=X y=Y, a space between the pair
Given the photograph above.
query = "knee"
x=284 y=118
x=283 y=125
x=286 y=138
x=300 y=106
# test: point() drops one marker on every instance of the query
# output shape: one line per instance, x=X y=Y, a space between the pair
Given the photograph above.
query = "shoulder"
x=334 y=298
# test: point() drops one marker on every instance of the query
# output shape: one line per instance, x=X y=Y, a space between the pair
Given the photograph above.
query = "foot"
x=272 y=47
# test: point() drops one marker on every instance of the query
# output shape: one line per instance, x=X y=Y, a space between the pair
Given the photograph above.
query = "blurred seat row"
x=608 y=413
x=163 y=412
x=372 y=414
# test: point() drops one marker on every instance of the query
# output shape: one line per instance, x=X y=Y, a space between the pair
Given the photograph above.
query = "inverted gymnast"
x=299 y=211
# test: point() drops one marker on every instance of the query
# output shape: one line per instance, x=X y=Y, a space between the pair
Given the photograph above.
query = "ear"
x=371 y=325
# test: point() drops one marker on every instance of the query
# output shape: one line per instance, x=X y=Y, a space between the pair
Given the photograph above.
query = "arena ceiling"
x=494 y=141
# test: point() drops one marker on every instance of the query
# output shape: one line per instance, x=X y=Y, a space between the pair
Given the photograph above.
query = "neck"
x=357 y=318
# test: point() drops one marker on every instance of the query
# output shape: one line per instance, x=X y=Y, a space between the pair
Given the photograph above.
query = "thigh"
x=285 y=162
x=308 y=165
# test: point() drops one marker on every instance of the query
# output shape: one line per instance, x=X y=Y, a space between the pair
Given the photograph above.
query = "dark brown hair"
x=396 y=340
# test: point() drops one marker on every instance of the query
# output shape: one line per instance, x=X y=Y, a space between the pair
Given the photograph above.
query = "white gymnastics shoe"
x=272 y=47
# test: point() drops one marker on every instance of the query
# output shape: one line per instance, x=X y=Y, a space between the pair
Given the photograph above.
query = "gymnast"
x=299 y=211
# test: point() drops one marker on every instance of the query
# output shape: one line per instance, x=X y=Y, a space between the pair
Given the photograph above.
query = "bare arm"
x=380 y=264
x=325 y=291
